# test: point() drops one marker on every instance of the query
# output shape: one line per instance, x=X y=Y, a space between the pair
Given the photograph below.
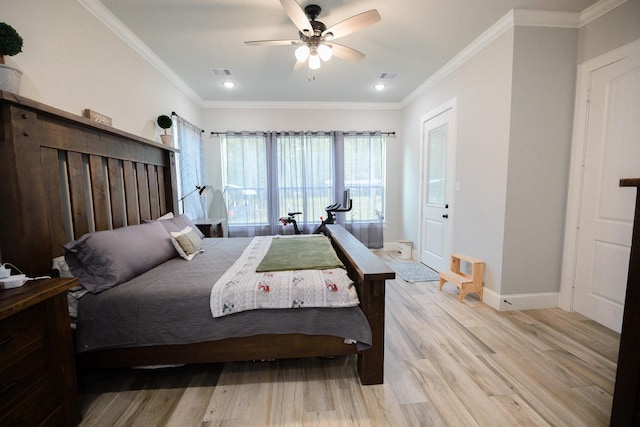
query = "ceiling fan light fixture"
x=302 y=53
x=325 y=52
x=314 y=62
x=313 y=34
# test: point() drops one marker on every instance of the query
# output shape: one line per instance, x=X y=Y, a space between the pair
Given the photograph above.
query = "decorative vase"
x=166 y=139
x=10 y=79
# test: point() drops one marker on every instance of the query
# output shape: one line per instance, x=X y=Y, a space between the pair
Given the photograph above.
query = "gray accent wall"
x=612 y=30
x=543 y=88
x=515 y=122
x=482 y=89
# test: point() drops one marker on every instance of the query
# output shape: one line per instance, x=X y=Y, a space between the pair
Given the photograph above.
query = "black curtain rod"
x=357 y=133
x=173 y=113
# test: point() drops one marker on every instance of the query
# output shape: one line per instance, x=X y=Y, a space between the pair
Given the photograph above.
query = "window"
x=305 y=165
x=364 y=175
x=268 y=175
x=244 y=162
x=190 y=167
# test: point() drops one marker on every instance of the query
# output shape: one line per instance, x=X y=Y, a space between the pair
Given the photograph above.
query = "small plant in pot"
x=165 y=123
x=10 y=45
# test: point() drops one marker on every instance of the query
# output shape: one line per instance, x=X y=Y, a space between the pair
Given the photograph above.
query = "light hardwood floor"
x=446 y=364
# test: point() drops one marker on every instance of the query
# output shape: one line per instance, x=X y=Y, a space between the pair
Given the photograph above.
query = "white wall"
x=482 y=87
x=72 y=61
x=362 y=119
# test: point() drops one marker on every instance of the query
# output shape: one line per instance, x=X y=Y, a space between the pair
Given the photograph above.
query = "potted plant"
x=10 y=44
x=165 y=123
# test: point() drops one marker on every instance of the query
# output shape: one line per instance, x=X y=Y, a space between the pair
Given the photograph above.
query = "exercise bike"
x=345 y=206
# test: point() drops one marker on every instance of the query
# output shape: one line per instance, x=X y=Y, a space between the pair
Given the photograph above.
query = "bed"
x=69 y=176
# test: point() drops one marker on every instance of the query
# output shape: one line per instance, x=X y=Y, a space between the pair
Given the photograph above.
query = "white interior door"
x=438 y=145
x=612 y=151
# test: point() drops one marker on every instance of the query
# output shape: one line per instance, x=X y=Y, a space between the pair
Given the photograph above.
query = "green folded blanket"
x=300 y=253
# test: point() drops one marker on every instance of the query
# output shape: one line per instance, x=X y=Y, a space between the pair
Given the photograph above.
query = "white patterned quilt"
x=240 y=288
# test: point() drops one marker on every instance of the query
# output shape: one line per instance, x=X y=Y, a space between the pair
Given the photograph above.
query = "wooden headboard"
x=62 y=176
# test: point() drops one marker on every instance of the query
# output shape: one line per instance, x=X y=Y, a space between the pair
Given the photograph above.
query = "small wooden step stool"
x=465 y=282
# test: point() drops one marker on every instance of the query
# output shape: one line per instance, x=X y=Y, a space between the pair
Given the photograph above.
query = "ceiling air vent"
x=221 y=72
x=388 y=76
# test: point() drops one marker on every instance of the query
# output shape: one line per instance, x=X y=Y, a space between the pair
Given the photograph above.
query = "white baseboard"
x=393 y=247
x=521 y=301
x=491 y=298
x=502 y=302
x=387 y=247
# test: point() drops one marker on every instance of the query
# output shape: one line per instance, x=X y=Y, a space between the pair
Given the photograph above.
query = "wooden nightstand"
x=38 y=383
x=210 y=227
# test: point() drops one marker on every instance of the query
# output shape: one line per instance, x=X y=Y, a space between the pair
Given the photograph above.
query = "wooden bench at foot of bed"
x=369 y=274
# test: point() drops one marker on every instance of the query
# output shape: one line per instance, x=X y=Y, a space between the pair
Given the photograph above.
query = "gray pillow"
x=104 y=259
x=179 y=223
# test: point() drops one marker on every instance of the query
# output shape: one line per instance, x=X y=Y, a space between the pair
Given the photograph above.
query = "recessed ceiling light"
x=379 y=86
x=229 y=84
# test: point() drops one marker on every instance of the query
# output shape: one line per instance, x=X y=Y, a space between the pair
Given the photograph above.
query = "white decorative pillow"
x=186 y=242
x=168 y=215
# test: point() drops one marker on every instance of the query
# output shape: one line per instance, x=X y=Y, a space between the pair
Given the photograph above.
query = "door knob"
x=445 y=216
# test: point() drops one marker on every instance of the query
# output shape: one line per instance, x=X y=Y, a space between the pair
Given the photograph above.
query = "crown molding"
x=107 y=18
x=598 y=9
x=515 y=17
x=121 y=30
x=286 y=105
x=546 y=18
x=505 y=23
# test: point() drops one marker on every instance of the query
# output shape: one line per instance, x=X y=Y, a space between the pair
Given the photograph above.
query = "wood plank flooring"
x=446 y=364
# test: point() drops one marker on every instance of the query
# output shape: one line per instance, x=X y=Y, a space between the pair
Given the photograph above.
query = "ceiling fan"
x=315 y=41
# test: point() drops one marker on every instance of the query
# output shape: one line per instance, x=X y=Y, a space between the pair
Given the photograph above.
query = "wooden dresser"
x=38 y=383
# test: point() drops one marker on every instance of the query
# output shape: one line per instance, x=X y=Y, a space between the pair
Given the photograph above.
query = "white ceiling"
x=414 y=39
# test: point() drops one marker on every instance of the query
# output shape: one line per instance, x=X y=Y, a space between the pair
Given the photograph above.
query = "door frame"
x=449 y=105
x=578 y=152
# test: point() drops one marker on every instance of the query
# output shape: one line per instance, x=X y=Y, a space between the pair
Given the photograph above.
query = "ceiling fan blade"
x=297 y=15
x=273 y=42
x=345 y=52
x=353 y=24
x=299 y=65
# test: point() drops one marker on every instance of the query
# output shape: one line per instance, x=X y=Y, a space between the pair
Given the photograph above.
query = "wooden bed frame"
x=64 y=176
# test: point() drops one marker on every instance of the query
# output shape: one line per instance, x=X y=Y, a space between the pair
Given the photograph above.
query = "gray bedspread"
x=170 y=305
